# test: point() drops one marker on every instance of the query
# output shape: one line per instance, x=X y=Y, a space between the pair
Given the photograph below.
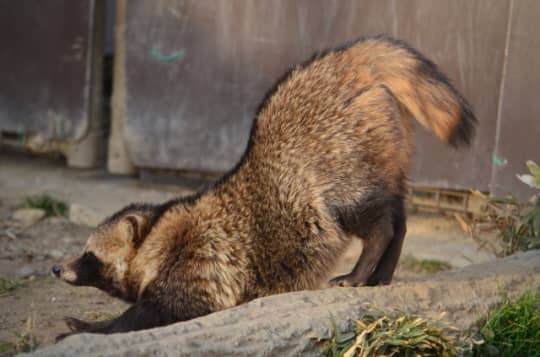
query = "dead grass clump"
x=395 y=334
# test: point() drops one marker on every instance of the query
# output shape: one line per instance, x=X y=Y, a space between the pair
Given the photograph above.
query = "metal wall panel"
x=45 y=67
x=518 y=135
x=196 y=70
x=466 y=39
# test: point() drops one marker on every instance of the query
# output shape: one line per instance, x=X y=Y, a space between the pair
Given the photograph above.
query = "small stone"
x=28 y=216
x=84 y=216
x=24 y=272
x=56 y=254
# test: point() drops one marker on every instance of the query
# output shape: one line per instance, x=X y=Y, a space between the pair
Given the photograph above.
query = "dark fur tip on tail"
x=463 y=133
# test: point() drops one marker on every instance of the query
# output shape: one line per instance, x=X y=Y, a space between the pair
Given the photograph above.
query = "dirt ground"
x=43 y=299
x=36 y=306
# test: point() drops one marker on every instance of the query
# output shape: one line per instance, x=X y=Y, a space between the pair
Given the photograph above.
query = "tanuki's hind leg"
x=383 y=227
x=387 y=264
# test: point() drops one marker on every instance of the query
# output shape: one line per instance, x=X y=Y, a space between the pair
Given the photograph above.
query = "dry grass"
x=510 y=226
x=395 y=334
x=516 y=224
x=25 y=340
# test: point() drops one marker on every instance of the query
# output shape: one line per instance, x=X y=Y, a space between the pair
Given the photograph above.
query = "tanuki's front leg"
x=142 y=315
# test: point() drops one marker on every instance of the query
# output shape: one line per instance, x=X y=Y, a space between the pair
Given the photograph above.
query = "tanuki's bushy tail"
x=419 y=86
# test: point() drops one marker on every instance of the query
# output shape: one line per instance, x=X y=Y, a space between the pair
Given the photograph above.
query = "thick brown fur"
x=327 y=161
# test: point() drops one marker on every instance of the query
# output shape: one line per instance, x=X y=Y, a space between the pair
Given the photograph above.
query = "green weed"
x=51 y=205
x=513 y=329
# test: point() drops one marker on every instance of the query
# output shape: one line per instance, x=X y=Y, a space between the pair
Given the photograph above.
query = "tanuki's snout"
x=57 y=270
x=67 y=271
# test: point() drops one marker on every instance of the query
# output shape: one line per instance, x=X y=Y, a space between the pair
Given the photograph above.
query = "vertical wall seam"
x=501 y=92
x=395 y=23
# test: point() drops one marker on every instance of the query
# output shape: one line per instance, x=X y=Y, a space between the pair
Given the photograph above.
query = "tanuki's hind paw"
x=346 y=280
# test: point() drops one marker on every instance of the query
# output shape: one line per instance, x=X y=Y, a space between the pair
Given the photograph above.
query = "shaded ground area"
x=28 y=250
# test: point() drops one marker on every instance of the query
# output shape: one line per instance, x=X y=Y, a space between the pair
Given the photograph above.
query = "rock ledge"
x=292 y=324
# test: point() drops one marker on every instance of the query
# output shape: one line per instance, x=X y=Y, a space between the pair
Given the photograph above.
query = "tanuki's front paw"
x=63 y=335
x=346 y=280
x=76 y=325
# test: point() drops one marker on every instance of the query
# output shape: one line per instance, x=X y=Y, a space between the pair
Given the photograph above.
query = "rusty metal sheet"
x=518 y=133
x=44 y=68
x=466 y=39
x=197 y=69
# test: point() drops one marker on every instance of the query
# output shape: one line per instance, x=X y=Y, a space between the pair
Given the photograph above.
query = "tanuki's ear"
x=139 y=226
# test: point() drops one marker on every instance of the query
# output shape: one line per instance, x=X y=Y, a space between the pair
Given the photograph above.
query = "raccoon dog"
x=327 y=161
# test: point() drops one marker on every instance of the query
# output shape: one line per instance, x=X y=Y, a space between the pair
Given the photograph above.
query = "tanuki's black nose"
x=56 y=269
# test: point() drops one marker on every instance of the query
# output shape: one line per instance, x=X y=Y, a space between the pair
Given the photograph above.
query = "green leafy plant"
x=513 y=329
x=51 y=205
x=395 y=334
